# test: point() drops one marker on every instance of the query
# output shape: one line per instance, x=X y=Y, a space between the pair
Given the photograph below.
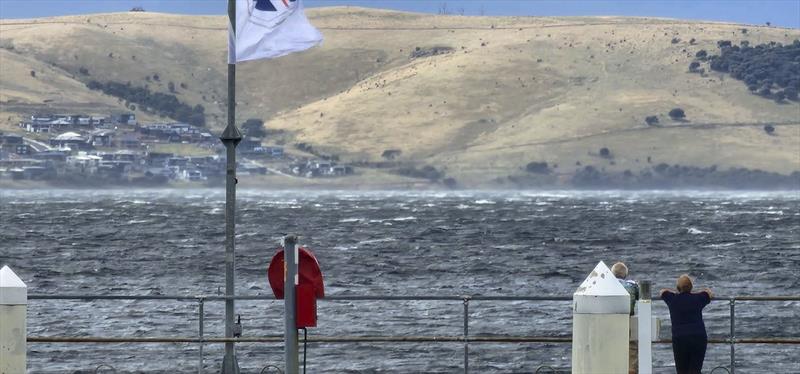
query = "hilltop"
x=486 y=101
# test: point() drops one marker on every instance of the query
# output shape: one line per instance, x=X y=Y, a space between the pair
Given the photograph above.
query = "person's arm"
x=666 y=294
x=708 y=292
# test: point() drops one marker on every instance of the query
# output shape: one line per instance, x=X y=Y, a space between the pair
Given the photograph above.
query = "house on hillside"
x=23 y=150
x=71 y=140
x=157 y=159
x=11 y=140
x=130 y=141
x=134 y=158
x=114 y=169
x=276 y=152
x=27 y=168
x=83 y=163
x=207 y=137
x=101 y=138
x=124 y=119
x=37 y=128
x=249 y=145
x=41 y=118
x=53 y=160
x=52 y=156
x=82 y=121
x=319 y=168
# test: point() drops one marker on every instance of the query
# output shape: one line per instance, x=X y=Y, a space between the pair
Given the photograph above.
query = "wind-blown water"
x=171 y=243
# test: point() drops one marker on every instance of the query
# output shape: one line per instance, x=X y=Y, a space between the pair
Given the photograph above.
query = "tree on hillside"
x=165 y=105
x=254 y=127
x=701 y=55
x=677 y=114
x=769 y=129
x=651 y=120
x=766 y=69
x=791 y=93
x=391 y=154
x=779 y=96
x=605 y=152
x=538 y=168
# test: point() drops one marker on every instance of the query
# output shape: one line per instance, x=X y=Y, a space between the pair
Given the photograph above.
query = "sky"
x=784 y=13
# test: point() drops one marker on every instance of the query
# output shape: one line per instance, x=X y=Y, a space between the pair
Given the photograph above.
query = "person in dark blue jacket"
x=689 y=338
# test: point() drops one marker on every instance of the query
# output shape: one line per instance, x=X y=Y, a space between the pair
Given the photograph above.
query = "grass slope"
x=513 y=90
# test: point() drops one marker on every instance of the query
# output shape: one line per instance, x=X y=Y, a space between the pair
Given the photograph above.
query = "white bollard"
x=13 y=334
x=600 y=324
x=645 y=328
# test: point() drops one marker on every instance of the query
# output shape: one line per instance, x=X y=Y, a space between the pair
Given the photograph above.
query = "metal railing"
x=465 y=338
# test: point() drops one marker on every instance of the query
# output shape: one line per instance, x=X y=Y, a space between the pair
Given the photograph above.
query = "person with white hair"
x=689 y=337
x=620 y=271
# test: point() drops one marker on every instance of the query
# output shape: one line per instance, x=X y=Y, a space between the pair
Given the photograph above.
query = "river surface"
x=170 y=242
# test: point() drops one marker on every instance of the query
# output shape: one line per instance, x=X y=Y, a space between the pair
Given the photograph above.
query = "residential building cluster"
x=119 y=149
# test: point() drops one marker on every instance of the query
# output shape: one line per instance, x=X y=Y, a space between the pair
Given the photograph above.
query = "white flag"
x=269 y=29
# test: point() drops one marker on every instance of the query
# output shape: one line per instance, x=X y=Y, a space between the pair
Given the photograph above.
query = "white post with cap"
x=13 y=311
x=645 y=328
x=600 y=324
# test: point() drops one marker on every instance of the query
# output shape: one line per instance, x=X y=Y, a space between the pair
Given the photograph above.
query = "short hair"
x=620 y=270
x=684 y=283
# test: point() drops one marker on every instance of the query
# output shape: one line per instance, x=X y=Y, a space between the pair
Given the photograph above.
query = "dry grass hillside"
x=507 y=91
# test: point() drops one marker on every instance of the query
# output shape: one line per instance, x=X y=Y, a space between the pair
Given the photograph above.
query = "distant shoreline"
x=10 y=186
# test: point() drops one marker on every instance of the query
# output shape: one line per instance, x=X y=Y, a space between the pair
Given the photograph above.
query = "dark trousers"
x=689 y=352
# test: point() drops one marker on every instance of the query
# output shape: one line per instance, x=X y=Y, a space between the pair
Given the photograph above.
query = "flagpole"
x=230 y=138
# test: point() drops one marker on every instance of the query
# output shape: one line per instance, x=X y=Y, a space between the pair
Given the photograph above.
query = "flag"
x=269 y=29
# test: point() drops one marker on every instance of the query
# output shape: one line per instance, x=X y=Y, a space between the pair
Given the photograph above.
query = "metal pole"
x=201 y=319
x=466 y=335
x=733 y=336
x=290 y=337
x=230 y=138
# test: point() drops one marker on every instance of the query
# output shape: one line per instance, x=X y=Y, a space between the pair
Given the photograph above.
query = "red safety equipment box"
x=309 y=289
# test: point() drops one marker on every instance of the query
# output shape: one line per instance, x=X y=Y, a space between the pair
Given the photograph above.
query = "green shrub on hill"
x=771 y=70
x=160 y=103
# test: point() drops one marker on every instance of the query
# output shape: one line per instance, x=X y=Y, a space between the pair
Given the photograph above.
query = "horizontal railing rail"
x=370 y=339
x=466 y=339
x=364 y=297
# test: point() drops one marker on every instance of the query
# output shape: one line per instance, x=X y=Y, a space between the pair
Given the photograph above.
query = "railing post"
x=290 y=257
x=201 y=319
x=466 y=334
x=644 y=327
x=733 y=335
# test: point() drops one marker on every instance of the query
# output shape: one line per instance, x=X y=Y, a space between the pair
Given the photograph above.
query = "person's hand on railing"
x=708 y=291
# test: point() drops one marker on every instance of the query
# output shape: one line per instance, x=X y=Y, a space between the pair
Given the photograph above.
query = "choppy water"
x=171 y=242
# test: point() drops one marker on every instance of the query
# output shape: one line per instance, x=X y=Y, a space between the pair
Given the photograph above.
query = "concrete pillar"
x=600 y=324
x=13 y=333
